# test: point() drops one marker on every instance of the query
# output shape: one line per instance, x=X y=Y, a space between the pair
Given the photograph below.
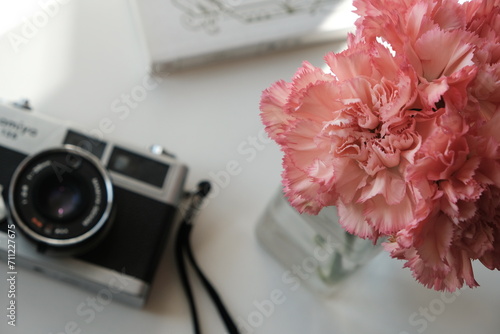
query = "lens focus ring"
x=61 y=197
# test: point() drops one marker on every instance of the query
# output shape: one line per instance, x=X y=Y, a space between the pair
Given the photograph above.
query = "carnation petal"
x=387 y=184
x=455 y=52
x=272 y=106
x=351 y=217
x=435 y=241
x=388 y=218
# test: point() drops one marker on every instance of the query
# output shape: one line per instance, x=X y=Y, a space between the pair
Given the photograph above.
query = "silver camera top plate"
x=29 y=132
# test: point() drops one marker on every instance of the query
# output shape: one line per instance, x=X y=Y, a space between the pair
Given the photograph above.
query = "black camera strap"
x=183 y=250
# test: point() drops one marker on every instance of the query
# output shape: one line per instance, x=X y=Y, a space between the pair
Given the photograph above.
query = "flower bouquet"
x=402 y=134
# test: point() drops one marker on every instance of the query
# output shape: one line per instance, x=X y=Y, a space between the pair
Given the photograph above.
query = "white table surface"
x=84 y=59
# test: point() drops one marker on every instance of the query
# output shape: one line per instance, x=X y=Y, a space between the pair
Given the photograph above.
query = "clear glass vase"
x=313 y=249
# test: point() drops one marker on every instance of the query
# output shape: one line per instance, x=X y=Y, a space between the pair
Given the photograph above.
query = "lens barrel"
x=61 y=197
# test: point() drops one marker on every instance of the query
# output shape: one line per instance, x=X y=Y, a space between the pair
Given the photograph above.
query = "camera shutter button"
x=159 y=150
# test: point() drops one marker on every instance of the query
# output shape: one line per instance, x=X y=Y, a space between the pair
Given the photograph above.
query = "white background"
x=77 y=65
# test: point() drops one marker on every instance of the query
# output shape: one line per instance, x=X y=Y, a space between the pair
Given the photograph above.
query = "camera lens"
x=61 y=200
x=62 y=197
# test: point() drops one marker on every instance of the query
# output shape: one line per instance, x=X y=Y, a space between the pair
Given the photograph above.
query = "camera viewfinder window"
x=138 y=167
x=93 y=145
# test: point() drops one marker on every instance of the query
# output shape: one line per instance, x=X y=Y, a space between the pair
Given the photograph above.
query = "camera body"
x=88 y=211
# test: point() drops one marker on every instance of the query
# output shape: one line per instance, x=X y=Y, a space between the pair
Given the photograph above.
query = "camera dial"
x=62 y=198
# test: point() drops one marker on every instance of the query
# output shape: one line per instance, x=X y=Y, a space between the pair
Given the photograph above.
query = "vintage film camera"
x=87 y=211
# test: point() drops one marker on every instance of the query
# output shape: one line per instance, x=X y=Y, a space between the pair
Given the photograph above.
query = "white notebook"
x=183 y=33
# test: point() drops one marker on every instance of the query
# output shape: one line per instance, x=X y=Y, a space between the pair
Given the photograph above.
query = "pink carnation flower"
x=402 y=138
